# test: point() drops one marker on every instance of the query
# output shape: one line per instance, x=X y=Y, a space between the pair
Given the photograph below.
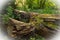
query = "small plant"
x=36 y=37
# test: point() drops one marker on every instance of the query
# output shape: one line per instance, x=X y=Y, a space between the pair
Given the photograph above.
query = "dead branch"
x=20 y=28
x=46 y=16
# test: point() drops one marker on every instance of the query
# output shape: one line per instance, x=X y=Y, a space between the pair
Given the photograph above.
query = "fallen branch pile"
x=42 y=24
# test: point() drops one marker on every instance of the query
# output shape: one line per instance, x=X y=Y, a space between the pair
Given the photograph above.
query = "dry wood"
x=20 y=28
x=51 y=16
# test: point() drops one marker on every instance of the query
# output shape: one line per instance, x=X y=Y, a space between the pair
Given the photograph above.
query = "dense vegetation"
x=40 y=6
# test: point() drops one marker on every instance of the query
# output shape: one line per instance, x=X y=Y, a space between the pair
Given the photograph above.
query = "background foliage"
x=40 y=6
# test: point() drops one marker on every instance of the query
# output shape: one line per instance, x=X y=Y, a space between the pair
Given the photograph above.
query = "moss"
x=36 y=37
x=51 y=25
x=36 y=20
